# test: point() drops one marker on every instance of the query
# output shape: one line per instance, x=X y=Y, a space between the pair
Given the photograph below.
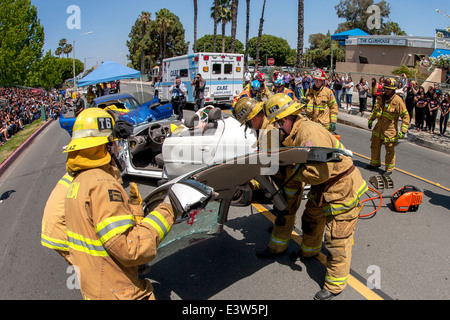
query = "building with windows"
x=368 y=54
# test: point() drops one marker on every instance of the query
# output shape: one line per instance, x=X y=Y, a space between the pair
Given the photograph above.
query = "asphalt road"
x=404 y=255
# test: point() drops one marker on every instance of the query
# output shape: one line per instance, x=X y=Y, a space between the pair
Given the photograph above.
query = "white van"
x=223 y=73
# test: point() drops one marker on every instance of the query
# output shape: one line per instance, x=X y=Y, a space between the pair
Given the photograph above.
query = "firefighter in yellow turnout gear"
x=334 y=200
x=54 y=232
x=106 y=240
x=388 y=109
x=321 y=105
x=250 y=112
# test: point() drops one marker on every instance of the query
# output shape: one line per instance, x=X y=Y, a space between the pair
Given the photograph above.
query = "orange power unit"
x=407 y=198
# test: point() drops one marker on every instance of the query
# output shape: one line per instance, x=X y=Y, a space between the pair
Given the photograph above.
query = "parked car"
x=129 y=109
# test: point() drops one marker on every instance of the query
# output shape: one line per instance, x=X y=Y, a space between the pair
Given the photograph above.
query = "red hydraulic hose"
x=370 y=199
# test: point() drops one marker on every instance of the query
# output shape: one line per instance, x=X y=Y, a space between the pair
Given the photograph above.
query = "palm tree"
x=195 y=25
x=247 y=31
x=216 y=4
x=261 y=23
x=62 y=43
x=144 y=21
x=58 y=52
x=67 y=49
x=223 y=15
x=164 y=21
x=300 y=31
x=234 y=13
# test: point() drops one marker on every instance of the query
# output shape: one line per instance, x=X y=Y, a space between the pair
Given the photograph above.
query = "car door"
x=224 y=178
x=191 y=149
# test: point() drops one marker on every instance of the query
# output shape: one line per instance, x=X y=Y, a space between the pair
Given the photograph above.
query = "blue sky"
x=111 y=21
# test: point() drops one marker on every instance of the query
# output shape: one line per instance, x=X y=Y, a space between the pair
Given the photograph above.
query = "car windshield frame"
x=129 y=103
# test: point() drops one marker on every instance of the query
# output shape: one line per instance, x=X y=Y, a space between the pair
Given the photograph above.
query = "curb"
x=13 y=156
x=411 y=137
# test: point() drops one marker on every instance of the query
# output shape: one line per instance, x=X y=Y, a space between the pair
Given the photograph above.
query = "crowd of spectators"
x=21 y=106
x=424 y=105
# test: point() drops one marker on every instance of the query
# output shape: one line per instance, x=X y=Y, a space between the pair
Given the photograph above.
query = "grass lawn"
x=16 y=140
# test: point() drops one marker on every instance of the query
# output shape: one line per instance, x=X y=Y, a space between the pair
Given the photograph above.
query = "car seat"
x=213 y=115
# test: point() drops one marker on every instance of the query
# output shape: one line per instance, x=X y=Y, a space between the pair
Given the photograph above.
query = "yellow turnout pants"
x=375 y=148
x=338 y=241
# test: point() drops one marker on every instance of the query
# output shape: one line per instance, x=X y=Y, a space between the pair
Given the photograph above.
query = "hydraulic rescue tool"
x=407 y=198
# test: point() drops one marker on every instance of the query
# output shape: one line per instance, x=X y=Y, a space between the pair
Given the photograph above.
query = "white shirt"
x=349 y=90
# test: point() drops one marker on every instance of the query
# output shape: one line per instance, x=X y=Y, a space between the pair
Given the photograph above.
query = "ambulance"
x=223 y=73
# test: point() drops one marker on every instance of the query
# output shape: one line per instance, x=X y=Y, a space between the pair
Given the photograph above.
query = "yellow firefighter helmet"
x=92 y=128
x=280 y=106
x=247 y=108
x=390 y=83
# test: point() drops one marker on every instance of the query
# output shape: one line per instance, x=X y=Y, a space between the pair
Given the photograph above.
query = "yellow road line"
x=409 y=173
x=352 y=281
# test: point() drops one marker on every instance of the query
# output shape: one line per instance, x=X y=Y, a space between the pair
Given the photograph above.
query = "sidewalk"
x=432 y=141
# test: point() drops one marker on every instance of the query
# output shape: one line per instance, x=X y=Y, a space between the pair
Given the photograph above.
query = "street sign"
x=271 y=61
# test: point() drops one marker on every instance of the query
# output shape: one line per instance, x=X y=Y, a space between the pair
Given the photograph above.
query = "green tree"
x=65 y=67
x=319 y=53
x=356 y=14
x=21 y=40
x=272 y=46
x=174 y=42
x=205 y=43
x=223 y=8
x=45 y=73
x=52 y=71
x=58 y=52
x=67 y=49
x=161 y=38
x=140 y=45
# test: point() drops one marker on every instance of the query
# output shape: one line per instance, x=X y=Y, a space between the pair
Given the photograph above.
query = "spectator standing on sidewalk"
x=337 y=88
x=306 y=82
x=410 y=93
x=421 y=106
x=445 y=110
x=199 y=91
x=286 y=79
x=247 y=77
x=349 y=92
x=373 y=90
x=298 y=85
x=363 y=88
x=433 y=107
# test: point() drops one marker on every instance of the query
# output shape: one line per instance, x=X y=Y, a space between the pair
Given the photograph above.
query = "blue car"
x=129 y=108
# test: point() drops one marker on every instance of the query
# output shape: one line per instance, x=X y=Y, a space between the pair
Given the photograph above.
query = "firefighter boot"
x=324 y=294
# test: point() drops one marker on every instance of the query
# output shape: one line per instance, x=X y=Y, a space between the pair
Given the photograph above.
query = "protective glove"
x=134 y=196
x=370 y=124
x=333 y=126
x=401 y=135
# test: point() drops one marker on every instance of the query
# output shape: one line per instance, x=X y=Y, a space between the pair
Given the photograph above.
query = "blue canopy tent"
x=438 y=52
x=109 y=71
x=342 y=36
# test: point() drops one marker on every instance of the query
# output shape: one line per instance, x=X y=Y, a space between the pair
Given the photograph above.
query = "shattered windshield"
x=197 y=221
